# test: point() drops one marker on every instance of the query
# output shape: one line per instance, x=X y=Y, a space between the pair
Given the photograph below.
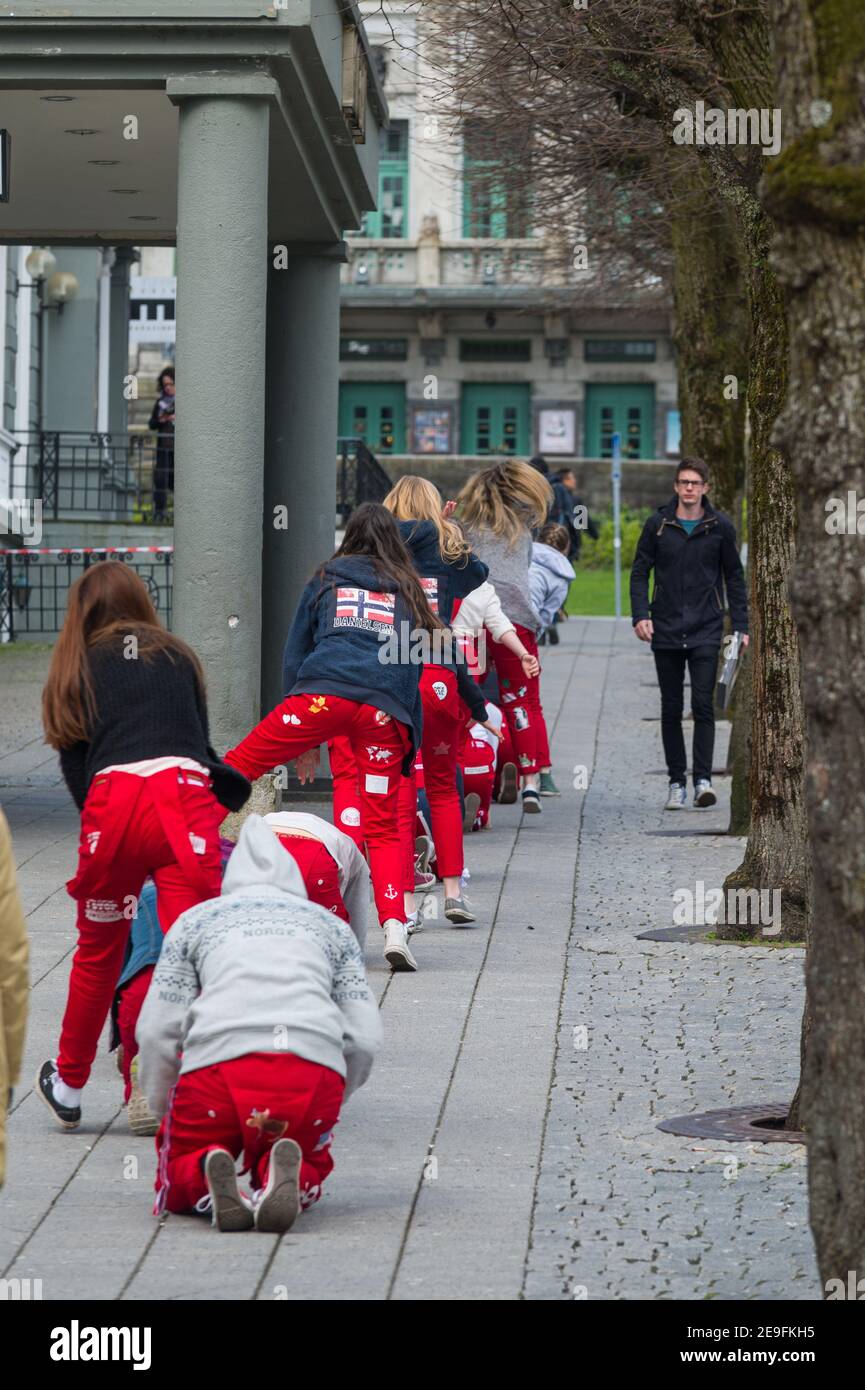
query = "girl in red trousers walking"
x=339 y=679
x=451 y=699
x=124 y=704
x=500 y=507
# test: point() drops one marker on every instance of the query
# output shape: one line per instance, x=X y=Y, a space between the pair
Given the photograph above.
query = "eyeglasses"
x=689 y=482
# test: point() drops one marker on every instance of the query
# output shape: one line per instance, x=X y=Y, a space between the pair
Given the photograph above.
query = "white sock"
x=65 y=1095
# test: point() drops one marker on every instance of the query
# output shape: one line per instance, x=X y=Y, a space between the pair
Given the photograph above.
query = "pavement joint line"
x=60 y=1192
x=463 y=1031
x=565 y=973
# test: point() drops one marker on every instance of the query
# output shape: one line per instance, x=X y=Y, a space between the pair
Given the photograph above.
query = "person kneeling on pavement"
x=261 y=1019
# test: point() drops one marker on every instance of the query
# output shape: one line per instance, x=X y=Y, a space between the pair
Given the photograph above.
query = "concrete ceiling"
x=60 y=192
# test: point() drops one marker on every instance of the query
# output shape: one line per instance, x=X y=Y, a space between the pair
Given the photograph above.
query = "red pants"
x=521 y=704
x=319 y=870
x=129 y=1006
x=444 y=719
x=166 y=825
x=244 y=1106
x=378 y=743
x=479 y=772
x=346 y=792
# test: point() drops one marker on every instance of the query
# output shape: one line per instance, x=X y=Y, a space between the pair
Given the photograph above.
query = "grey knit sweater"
x=259 y=969
x=509 y=573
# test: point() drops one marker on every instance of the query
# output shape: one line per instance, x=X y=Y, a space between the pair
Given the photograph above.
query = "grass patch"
x=774 y=943
x=593 y=594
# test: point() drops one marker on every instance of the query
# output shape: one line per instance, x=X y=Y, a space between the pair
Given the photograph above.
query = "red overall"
x=244 y=1106
x=166 y=825
x=318 y=869
x=521 y=704
x=346 y=792
x=378 y=742
x=478 y=762
x=444 y=719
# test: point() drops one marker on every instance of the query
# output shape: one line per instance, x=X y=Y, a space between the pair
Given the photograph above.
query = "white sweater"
x=259 y=969
x=479 y=610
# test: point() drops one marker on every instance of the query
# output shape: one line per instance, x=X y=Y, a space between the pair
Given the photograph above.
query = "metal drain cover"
x=755 y=1124
x=675 y=934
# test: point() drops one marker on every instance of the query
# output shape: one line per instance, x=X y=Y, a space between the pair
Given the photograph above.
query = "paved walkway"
x=505 y=1145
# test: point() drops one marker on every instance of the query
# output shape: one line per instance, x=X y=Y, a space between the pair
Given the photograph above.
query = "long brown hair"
x=373 y=533
x=507 y=499
x=417 y=499
x=107 y=600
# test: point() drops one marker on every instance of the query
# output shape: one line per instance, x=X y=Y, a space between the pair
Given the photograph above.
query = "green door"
x=626 y=410
x=374 y=411
x=495 y=419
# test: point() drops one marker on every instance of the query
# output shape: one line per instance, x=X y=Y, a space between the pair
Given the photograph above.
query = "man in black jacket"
x=692 y=550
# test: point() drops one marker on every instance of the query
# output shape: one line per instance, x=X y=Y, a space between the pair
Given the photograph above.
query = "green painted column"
x=300 y=457
x=219 y=439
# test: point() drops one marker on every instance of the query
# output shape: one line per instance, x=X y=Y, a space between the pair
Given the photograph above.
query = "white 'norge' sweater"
x=258 y=969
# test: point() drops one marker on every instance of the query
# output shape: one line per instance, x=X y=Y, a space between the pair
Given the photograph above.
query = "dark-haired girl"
x=124 y=704
x=338 y=680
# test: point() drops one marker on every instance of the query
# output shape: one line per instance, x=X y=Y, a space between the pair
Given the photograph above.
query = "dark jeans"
x=702 y=663
x=163 y=481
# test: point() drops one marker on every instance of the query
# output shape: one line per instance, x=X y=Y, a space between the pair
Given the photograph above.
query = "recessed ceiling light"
x=103 y=162
x=124 y=190
x=83 y=131
x=57 y=98
x=142 y=217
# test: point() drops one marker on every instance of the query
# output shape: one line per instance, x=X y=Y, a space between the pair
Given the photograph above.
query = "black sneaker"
x=531 y=801
x=553 y=635
x=67 y=1116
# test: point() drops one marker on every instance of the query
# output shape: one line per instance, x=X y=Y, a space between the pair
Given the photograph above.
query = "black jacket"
x=446 y=585
x=149 y=708
x=335 y=643
x=687 y=608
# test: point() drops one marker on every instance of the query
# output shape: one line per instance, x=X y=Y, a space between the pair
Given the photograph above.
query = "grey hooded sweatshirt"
x=258 y=969
x=550 y=576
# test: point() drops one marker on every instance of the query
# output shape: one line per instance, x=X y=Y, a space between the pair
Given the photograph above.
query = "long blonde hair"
x=417 y=499
x=506 y=499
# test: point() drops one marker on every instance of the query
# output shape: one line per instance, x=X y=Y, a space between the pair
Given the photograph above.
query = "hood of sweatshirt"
x=359 y=572
x=422 y=539
x=259 y=864
x=553 y=560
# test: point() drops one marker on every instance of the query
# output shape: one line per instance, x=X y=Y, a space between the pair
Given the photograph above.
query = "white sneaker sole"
x=509 y=783
x=400 y=958
x=472 y=807
x=277 y=1211
x=230 y=1212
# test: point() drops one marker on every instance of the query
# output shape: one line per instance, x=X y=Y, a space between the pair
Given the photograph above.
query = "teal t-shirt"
x=689 y=525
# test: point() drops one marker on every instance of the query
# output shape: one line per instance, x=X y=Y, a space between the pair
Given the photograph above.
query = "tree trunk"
x=816 y=192
x=711 y=329
x=776 y=856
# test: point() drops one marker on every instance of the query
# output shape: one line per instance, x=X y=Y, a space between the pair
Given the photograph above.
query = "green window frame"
x=490 y=208
x=390 y=219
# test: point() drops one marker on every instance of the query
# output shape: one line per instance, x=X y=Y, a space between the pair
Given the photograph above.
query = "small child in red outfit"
x=258 y=1024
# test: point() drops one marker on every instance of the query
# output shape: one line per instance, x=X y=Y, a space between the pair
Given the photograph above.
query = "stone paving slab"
x=488 y=1157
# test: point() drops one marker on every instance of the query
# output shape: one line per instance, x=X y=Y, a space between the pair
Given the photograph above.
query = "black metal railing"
x=360 y=478
x=34 y=585
x=122 y=477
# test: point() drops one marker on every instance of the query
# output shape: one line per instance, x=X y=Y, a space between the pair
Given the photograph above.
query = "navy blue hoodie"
x=446 y=582
x=337 y=637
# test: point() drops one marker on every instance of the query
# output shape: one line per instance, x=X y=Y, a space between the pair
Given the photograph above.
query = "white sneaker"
x=677 y=798
x=278 y=1203
x=703 y=793
x=231 y=1209
x=396 y=951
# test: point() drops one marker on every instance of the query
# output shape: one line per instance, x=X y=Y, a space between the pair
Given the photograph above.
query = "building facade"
x=460 y=332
